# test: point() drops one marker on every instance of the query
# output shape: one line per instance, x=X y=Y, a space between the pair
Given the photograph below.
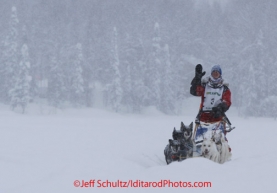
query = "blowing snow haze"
x=135 y=54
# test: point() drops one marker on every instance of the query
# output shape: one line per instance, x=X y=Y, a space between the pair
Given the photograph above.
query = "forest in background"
x=142 y=52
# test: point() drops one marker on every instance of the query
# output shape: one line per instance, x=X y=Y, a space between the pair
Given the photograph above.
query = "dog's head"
x=177 y=134
x=175 y=145
x=187 y=130
x=217 y=137
x=206 y=147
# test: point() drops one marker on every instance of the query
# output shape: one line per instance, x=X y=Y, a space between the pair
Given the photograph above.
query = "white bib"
x=212 y=97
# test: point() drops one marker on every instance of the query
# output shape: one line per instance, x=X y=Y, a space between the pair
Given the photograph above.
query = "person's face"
x=215 y=74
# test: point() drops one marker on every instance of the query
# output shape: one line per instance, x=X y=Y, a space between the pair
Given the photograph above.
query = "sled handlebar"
x=225 y=119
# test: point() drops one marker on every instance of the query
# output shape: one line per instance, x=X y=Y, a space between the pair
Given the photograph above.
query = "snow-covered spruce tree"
x=248 y=94
x=20 y=92
x=253 y=84
x=269 y=107
x=131 y=71
x=127 y=98
x=167 y=95
x=114 y=90
x=137 y=74
x=10 y=58
x=89 y=77
x=261 y=65
x=77 y=81
x=138 y=87
x=127 y=53
x=56 y=83
x=155 y=64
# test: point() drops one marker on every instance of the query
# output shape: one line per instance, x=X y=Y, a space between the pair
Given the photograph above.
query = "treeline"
x=142 y=52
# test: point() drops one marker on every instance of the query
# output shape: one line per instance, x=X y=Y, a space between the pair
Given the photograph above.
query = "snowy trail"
x=47 y=153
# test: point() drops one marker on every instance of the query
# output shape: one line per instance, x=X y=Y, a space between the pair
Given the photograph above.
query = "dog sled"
x=187 y=143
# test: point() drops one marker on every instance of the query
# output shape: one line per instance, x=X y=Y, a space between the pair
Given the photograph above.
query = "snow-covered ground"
x=47 y=153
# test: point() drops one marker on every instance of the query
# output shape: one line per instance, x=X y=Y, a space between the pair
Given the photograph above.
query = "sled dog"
x=209 y=150
x=222 y=147
x=174 y=151
x=181 y=147
x=187 y=140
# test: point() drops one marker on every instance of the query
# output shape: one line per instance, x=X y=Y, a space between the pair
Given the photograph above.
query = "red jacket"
x=199 y=90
